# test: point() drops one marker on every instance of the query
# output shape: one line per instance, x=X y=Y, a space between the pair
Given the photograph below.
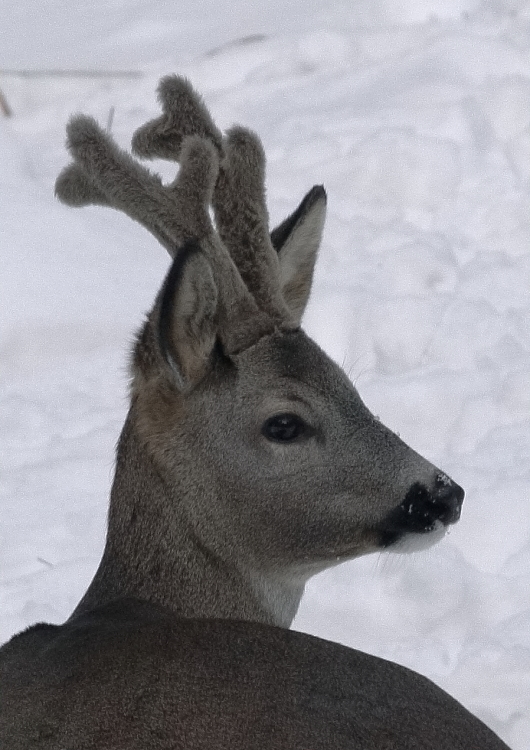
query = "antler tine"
x=74 y=188
x=239 y=195
x=106 y=175
x=243 y=221
x=184 y=113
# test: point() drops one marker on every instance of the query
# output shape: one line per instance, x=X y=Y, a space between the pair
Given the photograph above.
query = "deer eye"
x=283 y=428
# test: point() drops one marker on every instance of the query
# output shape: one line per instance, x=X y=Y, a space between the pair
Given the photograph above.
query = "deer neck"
x=153 y=553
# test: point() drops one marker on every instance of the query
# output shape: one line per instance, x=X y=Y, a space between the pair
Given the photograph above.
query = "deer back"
x=131 y=676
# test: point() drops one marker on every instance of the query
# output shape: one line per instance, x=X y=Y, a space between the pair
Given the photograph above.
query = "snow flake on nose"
x=442 y=480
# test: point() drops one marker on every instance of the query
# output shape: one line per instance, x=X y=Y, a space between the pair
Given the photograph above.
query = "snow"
x=416 y=118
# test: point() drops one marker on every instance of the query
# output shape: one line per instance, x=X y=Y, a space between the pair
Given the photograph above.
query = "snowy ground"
x=416 y=117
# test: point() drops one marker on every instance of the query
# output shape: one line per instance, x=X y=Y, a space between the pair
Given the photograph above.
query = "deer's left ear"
x=185 y=316
x=296 y=241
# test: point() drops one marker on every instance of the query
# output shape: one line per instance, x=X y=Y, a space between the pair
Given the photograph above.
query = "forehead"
x=291 y=357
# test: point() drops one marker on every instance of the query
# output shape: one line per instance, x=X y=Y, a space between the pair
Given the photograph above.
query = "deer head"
x=248 y=461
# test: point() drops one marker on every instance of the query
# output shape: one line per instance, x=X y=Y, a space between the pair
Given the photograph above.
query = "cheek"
x=275 y=511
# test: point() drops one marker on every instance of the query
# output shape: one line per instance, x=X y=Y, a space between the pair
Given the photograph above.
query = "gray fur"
x=130 y=187
x=240 y=191
x=139 y=679
x=240 y=188
x=74 y=188
x=186 y=317
x=184 y=113
x=104 y=174
x=215 y=524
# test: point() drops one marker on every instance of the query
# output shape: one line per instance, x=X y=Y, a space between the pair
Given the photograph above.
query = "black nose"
x=423 y=510
x=447 y=497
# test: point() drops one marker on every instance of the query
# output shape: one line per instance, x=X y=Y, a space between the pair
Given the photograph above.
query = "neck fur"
x=153 y=553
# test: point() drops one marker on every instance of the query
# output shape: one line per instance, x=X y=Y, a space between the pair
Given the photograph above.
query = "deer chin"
x=411 y=542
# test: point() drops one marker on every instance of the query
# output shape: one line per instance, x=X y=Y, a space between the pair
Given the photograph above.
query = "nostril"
x=448 y=497
x=445 y=508
x=444 y=484
x=460 y=494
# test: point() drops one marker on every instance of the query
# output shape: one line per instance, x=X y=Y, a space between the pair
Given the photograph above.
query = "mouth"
x=398 y=537
x=410 y=542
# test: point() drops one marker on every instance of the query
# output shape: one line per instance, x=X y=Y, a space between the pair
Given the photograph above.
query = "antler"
x=104 y=174
x=239 y=195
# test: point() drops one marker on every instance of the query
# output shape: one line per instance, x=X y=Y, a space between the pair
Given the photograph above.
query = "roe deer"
x=247 y=464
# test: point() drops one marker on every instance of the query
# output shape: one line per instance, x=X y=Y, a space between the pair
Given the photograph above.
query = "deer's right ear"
x=186 y=316
x=296 y=240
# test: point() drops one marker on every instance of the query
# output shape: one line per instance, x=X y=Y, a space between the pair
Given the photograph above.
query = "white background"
x=416 y=118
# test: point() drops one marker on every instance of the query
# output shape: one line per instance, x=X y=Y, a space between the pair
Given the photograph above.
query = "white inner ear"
x=297 y=258
x=193 y=321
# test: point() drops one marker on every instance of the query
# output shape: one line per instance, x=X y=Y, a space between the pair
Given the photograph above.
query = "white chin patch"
x=418 y=542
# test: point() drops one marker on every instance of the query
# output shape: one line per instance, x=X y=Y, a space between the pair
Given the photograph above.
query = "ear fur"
x=296 y=241
x=186 y=316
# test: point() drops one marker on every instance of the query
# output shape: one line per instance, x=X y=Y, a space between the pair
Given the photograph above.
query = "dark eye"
x=282 y=428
